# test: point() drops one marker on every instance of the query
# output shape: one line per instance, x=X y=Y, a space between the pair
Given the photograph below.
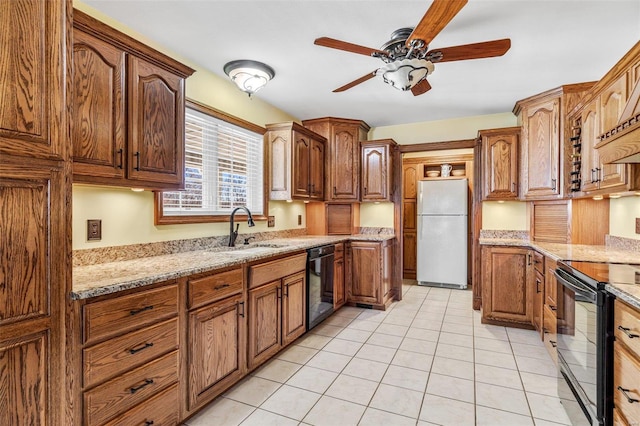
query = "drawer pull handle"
x=137 y=155
x=146 y=383
x=140 y=348
x=120 y=151
x=148 y=423
x=137 y=311
x=241 y=313
x=626 y=331
x=626 y=395
x=554 y=344
x=553 y=308
x=220 y=287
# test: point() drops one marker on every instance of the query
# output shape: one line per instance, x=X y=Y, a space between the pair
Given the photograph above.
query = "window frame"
x=161 y=219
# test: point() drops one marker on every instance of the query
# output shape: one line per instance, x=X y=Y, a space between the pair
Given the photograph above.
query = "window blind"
x=223 y=169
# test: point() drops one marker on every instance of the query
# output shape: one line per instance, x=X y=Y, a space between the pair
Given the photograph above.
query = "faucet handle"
x=246 y=240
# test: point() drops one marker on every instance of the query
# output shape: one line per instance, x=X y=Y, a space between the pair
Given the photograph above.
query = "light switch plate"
x=271 y=221
x=94 y=230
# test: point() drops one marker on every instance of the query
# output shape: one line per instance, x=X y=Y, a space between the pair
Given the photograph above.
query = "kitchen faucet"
x=234 y=234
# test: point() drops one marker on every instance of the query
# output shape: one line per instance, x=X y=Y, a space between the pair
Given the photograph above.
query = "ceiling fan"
x=408 y=60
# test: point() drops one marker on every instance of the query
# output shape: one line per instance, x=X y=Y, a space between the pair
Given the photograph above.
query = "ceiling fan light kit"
x=406 y=73
x=250 y=76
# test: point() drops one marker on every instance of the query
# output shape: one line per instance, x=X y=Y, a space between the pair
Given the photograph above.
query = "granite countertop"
x=105 y=278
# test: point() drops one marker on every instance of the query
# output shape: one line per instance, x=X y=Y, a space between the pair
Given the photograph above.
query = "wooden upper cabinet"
x=129 y=119
x=377 y=171
x=409 y=181
x=500 y=163
x=589 y=160
x=32 y=77
x=296 y=162
x=611 y=104
x=343 y=155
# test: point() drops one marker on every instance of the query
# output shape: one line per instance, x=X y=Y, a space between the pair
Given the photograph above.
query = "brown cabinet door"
x=339 y=297
x=501 y=166
x=32 y=78
x=611 y=104
x=156 y=124
x=410 y=181
x=375 y=173
x=316 y=172
x=590 y=161
x=345 y=163
x=216 y=347
x=294 y=323
x=409 y=254
x=264 y=322
x=541 y=150
x=365 y=273
x=550 y=284
x=506 y=289
x=301 y=185
x=98 y=109
x=538 y=300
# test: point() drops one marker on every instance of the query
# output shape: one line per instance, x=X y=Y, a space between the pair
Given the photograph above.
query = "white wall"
x=622 y=217
x=378 y=215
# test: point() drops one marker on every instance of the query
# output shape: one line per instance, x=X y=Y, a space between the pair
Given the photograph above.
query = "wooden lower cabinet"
x=294 y=321
x=339 y=290
x=507 y=293
x=370 y=271
x=538 y=300
x=626 y=364
x=409 y=255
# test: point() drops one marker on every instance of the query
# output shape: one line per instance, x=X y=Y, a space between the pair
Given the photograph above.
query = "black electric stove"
x=598 y=274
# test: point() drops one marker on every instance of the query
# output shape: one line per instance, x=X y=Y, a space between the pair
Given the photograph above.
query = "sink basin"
x=271 y=245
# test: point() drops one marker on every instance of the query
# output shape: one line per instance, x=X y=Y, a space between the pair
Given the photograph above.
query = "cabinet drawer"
x=538 y=262
x=120 y=394
x=110 y=358
x=110 y=317
x=276 y=269
x=627 y=324
x=161 y=409
x=626 y=384
x=207 y=289
x=549 y=332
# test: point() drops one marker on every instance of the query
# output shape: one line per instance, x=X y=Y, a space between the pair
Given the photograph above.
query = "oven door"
x=581 y=381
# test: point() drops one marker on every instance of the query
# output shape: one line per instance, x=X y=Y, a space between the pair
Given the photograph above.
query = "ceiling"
x=552 y=43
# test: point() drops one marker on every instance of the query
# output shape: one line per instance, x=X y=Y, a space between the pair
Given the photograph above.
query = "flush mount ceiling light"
x=405 y=74
x=249 y=76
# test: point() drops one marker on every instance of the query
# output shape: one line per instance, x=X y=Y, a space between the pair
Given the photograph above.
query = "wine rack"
x=575 y=156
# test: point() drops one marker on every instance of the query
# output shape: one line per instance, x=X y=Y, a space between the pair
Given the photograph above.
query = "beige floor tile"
x=453 y=367
x=329 y=361
x=337 y=320
x=352 y=389
x=327 y=330
x=537 y=366
x=373 y=417
x=453 y=319
x=450 y=338
x=538 y=383
x=344 y=347
x=531 y=351
x=277 y=370
x=313 y=341
x=460 y=312
x=372 y=315
x=490 y=332
x=386 y=340
x=419 y=346
x=223 y=412
x=366 y=369
x=493 y=345
x=376 y=353
x=455 y=352
x=547 y=408
x=501 y=398
x=446 y=411
x=422 y=334
x=413 y=360
x=451 y=387
x=312 y=379
x=291 y=402
x=463 y=329
x=404 y=321
x=363 y=325
x=427 y=323
x=528 y=337
x=404 y=377
x=392 y=329
x=505 y=377
x=265 y=418
x=540 y=422
x=349 y=312
x=398 y=400
x=332 y=412
x=252 y=390
x=491 y=417
x=298 y=354
x=354 y=335
x=496 y=359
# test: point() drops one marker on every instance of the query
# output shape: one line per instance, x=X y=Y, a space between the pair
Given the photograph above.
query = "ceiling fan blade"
x=487 y=49
x=421 y=87
x=349 y=47
x=355 y=82
x=440 y=13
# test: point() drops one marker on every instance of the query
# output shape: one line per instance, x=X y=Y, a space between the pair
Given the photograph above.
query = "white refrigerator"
x=442 y=233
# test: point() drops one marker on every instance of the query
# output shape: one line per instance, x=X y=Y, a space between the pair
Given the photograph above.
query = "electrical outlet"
x=271 y=221
x=637 y=225
x=299 y=219
x=94 y=230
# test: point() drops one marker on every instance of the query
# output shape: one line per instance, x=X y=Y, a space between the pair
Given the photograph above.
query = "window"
x=224 y=169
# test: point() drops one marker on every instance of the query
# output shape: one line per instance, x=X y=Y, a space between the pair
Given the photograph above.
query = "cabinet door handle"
x=241 y=313
x=553 y=307
x=137 y=155
x=120 y=152
x=148 y=423
x=365 y=190
x=146 y=383
x=529 y=259
x=627 y=331
x=133 y=351
x=286 y=292
x=221 y=286
x=626 y=395
x=598 y=170
x=137 y=311
x=538 y=285
x=279 y=292
x=334 y=190
x=513 y=187
x=554 y=184
x=553 y=343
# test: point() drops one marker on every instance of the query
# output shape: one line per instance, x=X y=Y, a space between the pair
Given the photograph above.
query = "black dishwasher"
x=319 y=284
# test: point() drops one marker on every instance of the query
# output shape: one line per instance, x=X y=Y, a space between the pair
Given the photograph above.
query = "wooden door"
x=264 y=322
x=339 y=295
x=506 y=290
x=501 y=166
x=611 y=104
x=98 y=109
x=156 y=124
x=316 y=172
x=216 y=347
x=541 y=150
x=294 y=322
x=590 y=161
x=345 y=163
x=33 y=263
x=365 y=272
x=375 y=172
x=301 y=184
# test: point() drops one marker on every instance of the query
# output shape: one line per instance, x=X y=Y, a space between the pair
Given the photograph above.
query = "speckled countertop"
x=105 y=278
x=630 y=293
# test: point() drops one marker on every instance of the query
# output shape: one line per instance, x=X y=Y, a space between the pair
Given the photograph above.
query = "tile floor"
x=426 y=361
